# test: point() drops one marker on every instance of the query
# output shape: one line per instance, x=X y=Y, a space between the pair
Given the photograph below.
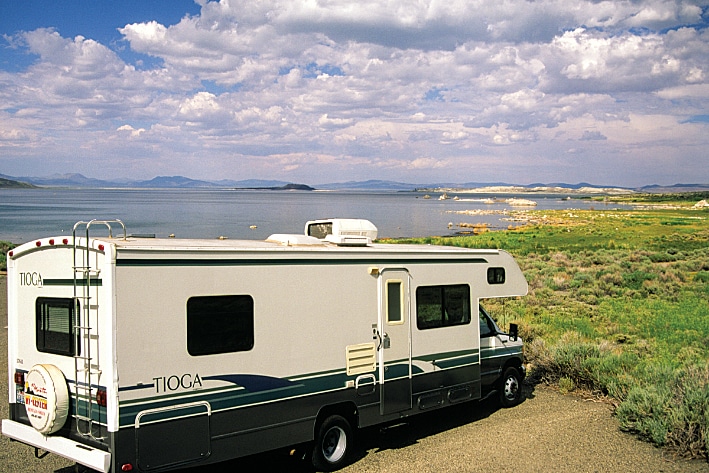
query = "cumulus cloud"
x=299 y=87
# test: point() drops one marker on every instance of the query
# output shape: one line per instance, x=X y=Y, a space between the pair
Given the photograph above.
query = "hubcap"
x=511 y=388
x=334 y=444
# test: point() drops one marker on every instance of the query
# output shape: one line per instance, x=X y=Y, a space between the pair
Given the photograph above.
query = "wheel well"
x=515 y=363
x=348 y=410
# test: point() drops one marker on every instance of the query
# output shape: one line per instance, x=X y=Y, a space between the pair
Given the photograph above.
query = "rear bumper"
x=78 y=452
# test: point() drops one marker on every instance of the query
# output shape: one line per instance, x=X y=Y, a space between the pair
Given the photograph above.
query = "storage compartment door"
x=173 y=436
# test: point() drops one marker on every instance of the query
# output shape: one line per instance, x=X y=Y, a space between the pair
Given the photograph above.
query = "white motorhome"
x=145 y=354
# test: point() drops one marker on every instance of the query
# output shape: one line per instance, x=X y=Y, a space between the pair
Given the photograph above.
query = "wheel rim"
x=511 y=388
x=334 y=444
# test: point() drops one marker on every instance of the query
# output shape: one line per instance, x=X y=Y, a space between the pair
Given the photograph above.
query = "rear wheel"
x=333 y=444
x=511 y=387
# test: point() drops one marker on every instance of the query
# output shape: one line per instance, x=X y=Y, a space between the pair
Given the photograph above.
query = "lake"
x=26 y=214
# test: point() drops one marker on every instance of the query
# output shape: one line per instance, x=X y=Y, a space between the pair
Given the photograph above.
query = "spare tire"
x=46 y=398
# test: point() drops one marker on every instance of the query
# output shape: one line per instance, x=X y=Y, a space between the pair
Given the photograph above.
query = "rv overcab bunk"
x=135 y=354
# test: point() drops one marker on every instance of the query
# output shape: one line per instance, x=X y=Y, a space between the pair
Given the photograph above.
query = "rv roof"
x=282 y=242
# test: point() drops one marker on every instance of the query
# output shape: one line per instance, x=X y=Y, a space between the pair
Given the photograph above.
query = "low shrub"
x=4 y=248
x=618 y=305
x=670 y=407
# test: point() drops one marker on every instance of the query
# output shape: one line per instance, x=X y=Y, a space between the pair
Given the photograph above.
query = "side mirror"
x=514 y=332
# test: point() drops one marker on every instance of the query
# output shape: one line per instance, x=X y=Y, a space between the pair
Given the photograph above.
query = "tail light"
x=19 y=378
x=101 y=398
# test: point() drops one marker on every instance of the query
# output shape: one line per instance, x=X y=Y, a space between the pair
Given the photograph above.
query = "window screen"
x=442 y=306
x=55 y=320
x=220 y=324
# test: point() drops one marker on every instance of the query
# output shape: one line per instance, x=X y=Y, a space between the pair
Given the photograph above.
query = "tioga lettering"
x=175 y=382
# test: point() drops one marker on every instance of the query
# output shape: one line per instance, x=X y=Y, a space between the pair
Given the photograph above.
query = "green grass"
x=618 y=305
x=4 y=248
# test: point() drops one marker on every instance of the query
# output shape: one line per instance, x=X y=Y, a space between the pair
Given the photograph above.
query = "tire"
x=510 y=387
x=333 y=444
x=46 y=398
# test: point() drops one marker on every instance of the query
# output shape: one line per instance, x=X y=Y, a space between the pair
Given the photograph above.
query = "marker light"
x=127 y=467
x=100 y=247
x=65 y=241
x=11 y=254
x=51 y=241
x=39 y=243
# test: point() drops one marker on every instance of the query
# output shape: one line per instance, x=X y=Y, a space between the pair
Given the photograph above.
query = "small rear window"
x=55 y=321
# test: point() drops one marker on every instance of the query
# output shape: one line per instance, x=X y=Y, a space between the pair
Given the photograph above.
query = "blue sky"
x=608 y=92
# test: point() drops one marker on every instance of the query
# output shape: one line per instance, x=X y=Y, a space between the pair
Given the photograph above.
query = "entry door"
x=395 y=346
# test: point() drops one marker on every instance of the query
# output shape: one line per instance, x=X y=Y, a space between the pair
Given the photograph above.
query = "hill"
x=12 y=184
x=182 y=182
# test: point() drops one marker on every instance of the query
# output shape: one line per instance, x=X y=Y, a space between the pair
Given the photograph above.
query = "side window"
x=54 y=328
x=442 y=306
x=220 y=324
x=496 y=275
x=395 y=303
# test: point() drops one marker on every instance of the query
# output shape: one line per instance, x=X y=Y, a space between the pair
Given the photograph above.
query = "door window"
x=395 y=302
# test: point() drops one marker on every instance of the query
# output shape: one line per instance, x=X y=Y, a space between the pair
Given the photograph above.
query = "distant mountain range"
x=181 y=182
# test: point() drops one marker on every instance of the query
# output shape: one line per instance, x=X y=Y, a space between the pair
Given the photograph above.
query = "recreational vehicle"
x=148 y=354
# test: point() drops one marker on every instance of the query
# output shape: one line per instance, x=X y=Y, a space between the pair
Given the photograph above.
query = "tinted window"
x=496 y=275
x=442 y=306
x=394 y=296
x=486 y=327
x=55 y=320
x=220 y=324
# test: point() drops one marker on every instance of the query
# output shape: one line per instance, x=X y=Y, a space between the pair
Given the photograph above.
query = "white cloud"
x=133 y=133
x=291 y=87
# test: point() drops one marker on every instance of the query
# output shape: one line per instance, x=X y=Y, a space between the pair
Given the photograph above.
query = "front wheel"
x=511 y=387
x=332 y=444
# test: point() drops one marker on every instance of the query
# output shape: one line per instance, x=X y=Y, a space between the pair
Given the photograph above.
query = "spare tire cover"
x=46 y=398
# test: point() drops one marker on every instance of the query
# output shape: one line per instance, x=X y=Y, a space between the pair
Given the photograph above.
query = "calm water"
x=33 y=213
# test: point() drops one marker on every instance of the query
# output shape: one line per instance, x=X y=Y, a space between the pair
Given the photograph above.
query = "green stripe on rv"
x=293 y=261
x=71 y=282
x=232 y=397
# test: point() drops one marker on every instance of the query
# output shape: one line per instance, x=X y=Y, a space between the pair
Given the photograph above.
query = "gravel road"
x=548 y=432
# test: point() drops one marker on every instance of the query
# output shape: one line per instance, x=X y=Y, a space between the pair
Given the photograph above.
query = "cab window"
x=487 y=328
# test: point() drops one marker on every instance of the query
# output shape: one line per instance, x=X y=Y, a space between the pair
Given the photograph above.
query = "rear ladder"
x=87 y=371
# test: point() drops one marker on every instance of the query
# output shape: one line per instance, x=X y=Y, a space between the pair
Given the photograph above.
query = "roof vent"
x=342 y=231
